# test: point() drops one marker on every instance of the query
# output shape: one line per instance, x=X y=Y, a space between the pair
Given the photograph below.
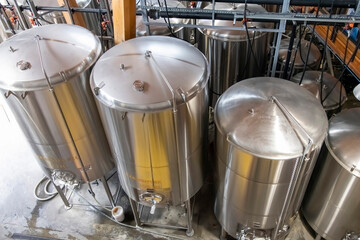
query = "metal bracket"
x=7 y=94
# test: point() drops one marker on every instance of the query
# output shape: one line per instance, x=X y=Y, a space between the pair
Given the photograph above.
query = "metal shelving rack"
x=280 y=18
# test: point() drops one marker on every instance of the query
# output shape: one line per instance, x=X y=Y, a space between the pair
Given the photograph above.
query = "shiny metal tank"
x=228 y=51
x=62 y=126
x=332 y=205
x=152 y=98
x=300 y=58
x=332 y=93
x=162 y=30
x=264 y=153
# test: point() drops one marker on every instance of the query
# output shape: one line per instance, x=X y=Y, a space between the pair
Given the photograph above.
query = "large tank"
x=332 y=205
x=331 y=93
x=152 y=98
x=269 y=133
x=44 y=79
x=298 y=60
x=162 y=30
x=228 y=51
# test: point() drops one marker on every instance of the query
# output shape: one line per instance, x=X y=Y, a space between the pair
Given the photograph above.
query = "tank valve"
x=153 y=207
x=139 y=85
x=23 y=65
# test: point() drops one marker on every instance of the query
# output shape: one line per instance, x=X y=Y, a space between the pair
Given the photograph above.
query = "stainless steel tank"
x=162 y=30
x=331 y=93
x=152 y=98
x=269 y=133
x=228 y=51
x=332 y=205
x=44 y=79
x=298 y=60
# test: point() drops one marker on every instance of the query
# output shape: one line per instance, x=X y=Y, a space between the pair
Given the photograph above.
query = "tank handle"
x=149 y=55
x=37 y=38
x=298 y=165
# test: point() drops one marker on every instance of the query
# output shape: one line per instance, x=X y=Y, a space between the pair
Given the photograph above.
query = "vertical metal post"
x=135 y=212
x=329 y=62
x=107 y=190
x=21 y=15
x=108 y=10
x=223 y=234
x=285 y=9
x=62 y=195
x=145 y=16
x=190 y=230
x=69 y=11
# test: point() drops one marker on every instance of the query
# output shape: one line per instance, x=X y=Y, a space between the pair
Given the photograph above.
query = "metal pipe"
x=69 y=11
x=108 y=11
x=21 y=15
x=145 y=16
x=290 y=48
x=52 y=91
x=190 y=230
x=107 y=190
x=163 y=226
x=6 y=19
x=62 y=195
x=135 y=212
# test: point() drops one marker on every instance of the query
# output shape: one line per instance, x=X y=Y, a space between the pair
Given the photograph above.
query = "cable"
x=127 y=225
x=169 y=23
x=311 y=40
x=248 y=37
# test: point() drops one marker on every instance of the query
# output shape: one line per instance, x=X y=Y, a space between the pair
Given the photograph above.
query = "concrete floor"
x=24 y=217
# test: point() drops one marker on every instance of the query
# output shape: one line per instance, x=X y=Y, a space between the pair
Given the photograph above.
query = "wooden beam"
x=124 y=18
x=78 y=18
x=339 y=47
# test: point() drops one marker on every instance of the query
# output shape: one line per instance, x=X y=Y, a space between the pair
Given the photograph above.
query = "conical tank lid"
x=233 y=35
x=248 y=115
x=149 y=73
x=66 y=51
x=332 y=88
x=343 y=139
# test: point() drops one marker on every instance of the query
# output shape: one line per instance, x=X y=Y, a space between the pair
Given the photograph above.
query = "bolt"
x=122 y=67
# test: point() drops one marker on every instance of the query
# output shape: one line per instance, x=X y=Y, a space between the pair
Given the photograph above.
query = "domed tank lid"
x=66 y=51
x=149 y=73
x=330 y=89
x=343 y=139
x=270 y=117
x=232 y=35
x=160 y=30
x=314 y=55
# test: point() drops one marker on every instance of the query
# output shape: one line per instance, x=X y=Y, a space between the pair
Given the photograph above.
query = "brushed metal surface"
x=331 y=205
x=228 y=51
x=257 y=151
x=162 y=30
x=332 y=89
x=36 y=109
x=157 y=151
x=300 y=58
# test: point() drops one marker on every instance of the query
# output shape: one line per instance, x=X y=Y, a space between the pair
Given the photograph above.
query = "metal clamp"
x=298 y=165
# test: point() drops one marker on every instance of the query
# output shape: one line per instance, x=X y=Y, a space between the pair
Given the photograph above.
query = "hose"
x=49 y=194
x=127 y=225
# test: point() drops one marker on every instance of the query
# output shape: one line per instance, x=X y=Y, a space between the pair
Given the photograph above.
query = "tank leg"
x=107 y=190
x=223 y=234
x=190 y=230
x=135 y=212
x=318 y=237
x=63 y=197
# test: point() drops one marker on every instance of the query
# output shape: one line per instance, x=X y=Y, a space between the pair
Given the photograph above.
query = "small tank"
x=162 y=30
x=153 y=100
x=228 y=51
x=332 y=205
x=44 y=80
x=330 y=92
x=269 y=134
x=299 y=60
